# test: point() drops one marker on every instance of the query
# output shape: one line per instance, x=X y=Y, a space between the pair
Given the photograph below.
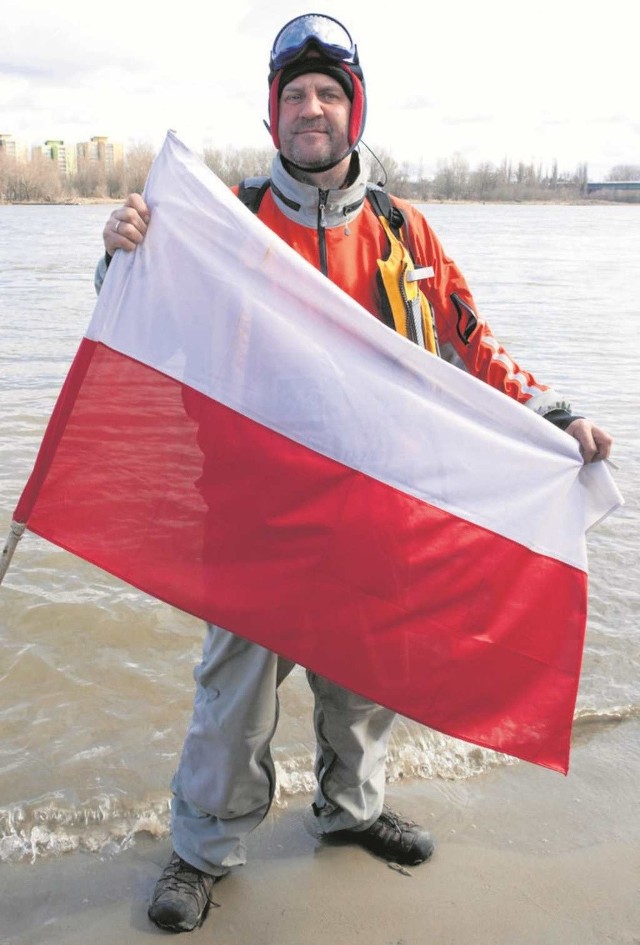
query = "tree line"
x=39 y=181
x=455 y=179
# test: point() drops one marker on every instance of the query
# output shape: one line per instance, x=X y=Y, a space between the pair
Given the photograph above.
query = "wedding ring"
x=117 y=227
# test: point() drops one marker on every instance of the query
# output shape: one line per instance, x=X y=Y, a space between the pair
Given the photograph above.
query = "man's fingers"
x=127 y=226
x=136 y=202
x=595 y=444
x=603 y=443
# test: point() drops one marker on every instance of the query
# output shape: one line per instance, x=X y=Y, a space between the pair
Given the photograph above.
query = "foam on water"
x=108 y=823
x=47 y=827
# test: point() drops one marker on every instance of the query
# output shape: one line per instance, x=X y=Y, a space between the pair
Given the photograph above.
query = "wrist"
x=561 y=418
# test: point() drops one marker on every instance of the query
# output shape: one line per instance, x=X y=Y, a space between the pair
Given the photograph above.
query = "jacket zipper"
x=409 y=310
x=322 y=239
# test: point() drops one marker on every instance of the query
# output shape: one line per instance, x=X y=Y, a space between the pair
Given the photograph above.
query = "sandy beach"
x=524 y=856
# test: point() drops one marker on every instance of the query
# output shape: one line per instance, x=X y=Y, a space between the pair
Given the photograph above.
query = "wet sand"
x=524 y=856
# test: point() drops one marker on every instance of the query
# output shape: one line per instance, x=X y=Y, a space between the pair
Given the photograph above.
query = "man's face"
x=314 y=120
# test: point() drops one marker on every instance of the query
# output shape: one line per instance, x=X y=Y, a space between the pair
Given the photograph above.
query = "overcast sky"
x=487 y=79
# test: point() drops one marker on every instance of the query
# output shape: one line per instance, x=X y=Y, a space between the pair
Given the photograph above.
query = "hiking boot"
x=180 y=901
x=393 y=838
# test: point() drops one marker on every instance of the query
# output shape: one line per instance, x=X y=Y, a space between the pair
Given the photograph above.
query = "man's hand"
x=594 y=443
x=127 y=226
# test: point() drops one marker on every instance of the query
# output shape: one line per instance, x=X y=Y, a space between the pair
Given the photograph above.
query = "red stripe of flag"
x=442 y=620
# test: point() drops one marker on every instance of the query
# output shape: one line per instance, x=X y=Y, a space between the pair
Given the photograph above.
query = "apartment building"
x=100 y=149
x=63 y=155
x=10 y=147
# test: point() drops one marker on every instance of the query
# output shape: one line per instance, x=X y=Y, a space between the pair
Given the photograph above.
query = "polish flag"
x=239 y=438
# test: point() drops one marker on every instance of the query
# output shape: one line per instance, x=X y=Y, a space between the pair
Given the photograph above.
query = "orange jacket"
x=345 y=239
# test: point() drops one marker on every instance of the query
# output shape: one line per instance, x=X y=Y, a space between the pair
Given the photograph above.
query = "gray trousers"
x=226 y=779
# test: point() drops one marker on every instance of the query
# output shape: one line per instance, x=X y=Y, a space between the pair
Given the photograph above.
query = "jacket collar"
x=300 y=202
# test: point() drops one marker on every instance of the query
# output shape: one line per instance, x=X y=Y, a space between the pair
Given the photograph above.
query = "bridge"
x=592 y=186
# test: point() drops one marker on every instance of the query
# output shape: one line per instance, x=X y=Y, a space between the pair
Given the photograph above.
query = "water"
x=95 y=677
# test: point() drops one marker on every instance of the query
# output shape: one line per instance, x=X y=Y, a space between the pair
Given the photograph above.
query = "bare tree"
x=6 y=163
x=483 y=181
x=35 y=181
x=89 y=179
x=581 y=175
x=452 y=179
x=232 y=165
x=137 y=163
x=505 y=172
x=385 y=169
x=624 y=172
x=115 y=180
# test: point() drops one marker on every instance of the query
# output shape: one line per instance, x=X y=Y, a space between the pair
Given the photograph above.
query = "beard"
x=312 y=145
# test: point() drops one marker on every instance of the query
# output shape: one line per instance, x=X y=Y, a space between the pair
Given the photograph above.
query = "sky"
x=543 y=83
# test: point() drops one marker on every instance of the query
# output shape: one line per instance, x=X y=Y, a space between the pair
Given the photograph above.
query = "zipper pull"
x=322 y=203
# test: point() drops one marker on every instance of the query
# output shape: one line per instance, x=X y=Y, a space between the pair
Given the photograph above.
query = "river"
x=95 y=677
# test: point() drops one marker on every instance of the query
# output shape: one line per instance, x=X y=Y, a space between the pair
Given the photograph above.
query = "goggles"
x=331 y=38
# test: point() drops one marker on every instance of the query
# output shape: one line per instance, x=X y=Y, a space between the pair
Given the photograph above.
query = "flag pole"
x=15 y=534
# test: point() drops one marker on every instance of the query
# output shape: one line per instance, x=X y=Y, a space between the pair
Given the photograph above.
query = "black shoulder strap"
x=383 y=207
x=252 y=190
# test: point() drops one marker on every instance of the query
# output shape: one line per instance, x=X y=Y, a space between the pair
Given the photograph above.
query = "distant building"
x=102 y=150
x=592 y=186
x=61 y=154
x=9 y=147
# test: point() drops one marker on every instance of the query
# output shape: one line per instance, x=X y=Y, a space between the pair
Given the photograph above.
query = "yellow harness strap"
x=409 y=307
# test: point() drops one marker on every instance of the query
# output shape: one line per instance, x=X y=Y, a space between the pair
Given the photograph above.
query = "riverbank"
x=478 y=201
x=524 y=856
x=71 y=202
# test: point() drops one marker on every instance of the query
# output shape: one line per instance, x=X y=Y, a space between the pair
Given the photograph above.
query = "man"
x=316 y=200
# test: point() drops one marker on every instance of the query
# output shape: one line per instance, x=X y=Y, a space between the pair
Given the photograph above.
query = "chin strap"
x=316 y=168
